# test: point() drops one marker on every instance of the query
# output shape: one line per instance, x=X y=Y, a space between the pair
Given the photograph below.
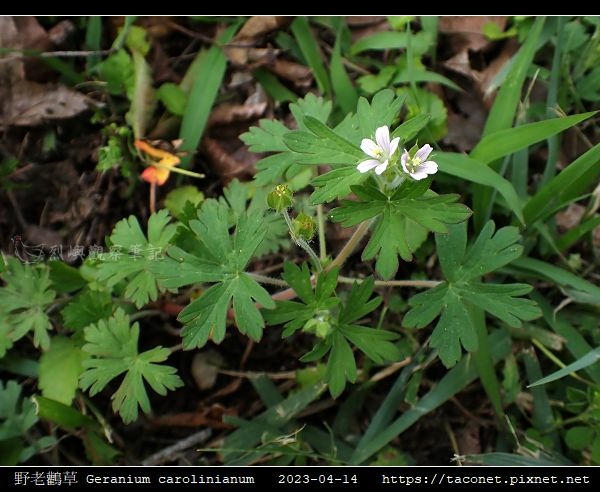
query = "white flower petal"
x=394 y=146
x=418 y=175
x=423 y=153
x=382 y=136
x=428 y=167
x=403 y=161
x=367 y=165
x=381 y=168
x=369 y=147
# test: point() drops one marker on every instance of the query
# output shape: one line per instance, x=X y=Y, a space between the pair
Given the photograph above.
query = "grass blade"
x=463 y=166
x=311 y=52
x=543 y=417
x=570 y=183
x=505 y=142
x=542 y=270
x=454 y=381
x=588 y=359
x=344 y=91
x=203 y=94
x=572 y=236
x=93 y=38
x=504 y=109
x=576 y=344
x=273 y=87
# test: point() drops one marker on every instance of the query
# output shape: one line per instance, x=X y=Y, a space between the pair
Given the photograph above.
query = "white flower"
x=418 y=167
x=381 y=151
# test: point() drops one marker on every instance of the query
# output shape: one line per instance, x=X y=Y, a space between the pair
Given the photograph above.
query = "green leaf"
x=65 y=279
x=411 y=127
x=207 y=80
x=506 y=102
x=587 y=360
x=112 y=348
x=343 y=89
x=383 y=109
x=464 y=167
x=268 y=137
x=397 y=216
x=463 y=268
x=450 y=385
x=61 y=414
x=570 y=183
x=386 y=40
x=17 y=415
x=579 y=437
x=117 y=70
x=132 y=255
x=88 y=307
x=273 y=86
x=173 y=97
x=504 y=142
x=59 y=370
x=319 y=308
x=335 y=184
x=141 y=97
x=504 y=109
x=340 y=366
x=23 y=302
x=311 y=52
x=243 y=446
x=564 y=278
x=176 y=199
x=218 y=257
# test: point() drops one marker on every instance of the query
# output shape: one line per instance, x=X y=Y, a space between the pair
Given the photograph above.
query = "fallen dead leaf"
x=205 y=368
x=240 y=50
x=300 y=75
x=228 y=113
x=467 y=31
x=226 y=166
x=571 y=217
x=32 y=104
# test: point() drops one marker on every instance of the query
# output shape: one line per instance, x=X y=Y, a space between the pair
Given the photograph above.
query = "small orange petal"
x=154 y=152
x=155 y=175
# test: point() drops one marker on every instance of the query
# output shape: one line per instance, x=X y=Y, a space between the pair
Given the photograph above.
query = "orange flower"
x=158 y=172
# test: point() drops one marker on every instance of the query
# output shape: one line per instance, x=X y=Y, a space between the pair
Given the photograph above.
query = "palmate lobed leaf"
x=402 y=220
x=269 y=137
x=219 y=257
x=322 y=305
x=133 y=256
x=452 y=300
x=23 y=302
x=112 y=348
x=206 y=316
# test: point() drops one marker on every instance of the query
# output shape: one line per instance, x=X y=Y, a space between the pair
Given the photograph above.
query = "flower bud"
x=304 y=226
x=280 y=198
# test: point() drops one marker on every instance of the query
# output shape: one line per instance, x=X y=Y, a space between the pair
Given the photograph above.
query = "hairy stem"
x=301 y=242
x=264 y=279
x=393 y=283
x=350 y=246
x=321 y=229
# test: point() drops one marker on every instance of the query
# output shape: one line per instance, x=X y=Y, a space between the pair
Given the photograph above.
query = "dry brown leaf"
x=12 y=67
x=223 y=163
x=205 y=368
x=364 y=20
x=467 y=31
x=242 y=48
x=571 y=217
x=32 y=104
x=228 y=113
x=259 y=25
x=300 y=75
